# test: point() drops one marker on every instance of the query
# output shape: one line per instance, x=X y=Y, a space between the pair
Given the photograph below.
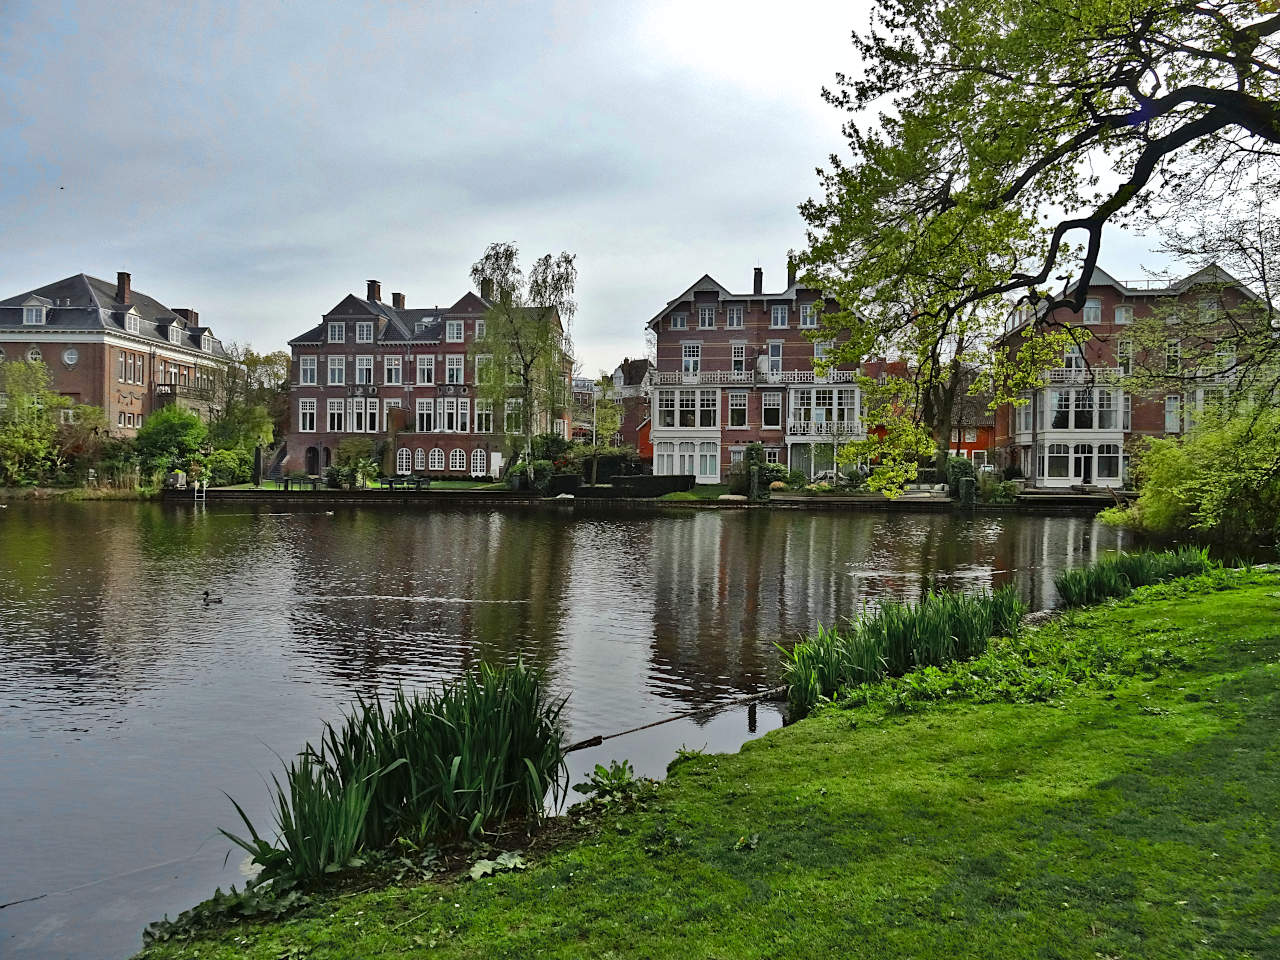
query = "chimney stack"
x=375 y=291
x=486 y=289
x=791 y=274
x=123 y=285
x=759 y=282
x=189 y=315
x=397 y=301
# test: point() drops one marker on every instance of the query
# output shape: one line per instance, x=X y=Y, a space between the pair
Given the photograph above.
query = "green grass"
x=896 y=638
x=1118 y=574
x=700 y=491
x=1126 y=810
x=424 y=768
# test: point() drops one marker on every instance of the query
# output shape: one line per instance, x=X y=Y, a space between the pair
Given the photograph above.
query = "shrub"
x=898 y=637
x=428 y=767
x=957 y=469
x=551 y=446
x=226 y=467
x=778 y=485
x=542 y=471
x=796 y=478
x=991 y=490
x=169 y=438
x=1117 y=575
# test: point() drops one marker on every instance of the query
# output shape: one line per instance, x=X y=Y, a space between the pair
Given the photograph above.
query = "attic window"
x=175 y=333
x=33 y=316
x=206 y=343
x=420 y=327
x=132 y=323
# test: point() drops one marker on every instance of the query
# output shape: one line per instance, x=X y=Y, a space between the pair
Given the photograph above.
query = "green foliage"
x=170 y=438
x=611 y=784
x=1118 y=574
x=223 y=468
x=1221 y=480
x=256 y=902
x=354 y=463
x=424 y=768
x=542 y=472
x=29 y=452
x=957 y=469
x=896 y=638
x=991 y=490
x=243 y=426
x=551 y=446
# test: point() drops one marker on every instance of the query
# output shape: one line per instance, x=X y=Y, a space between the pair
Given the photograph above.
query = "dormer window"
x=206 y=343
x=132 y=323
x=175 y=333
x=33 y=316
x=420 y=328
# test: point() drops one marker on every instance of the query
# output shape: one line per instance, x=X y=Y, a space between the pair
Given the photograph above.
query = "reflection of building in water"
x=385 y=598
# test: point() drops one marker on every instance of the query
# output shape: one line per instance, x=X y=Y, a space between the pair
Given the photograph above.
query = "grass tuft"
x=1118 y=575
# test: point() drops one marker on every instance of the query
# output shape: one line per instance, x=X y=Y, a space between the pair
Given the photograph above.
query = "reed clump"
x=896 y=638
x=1119 y=574
x=424 y=768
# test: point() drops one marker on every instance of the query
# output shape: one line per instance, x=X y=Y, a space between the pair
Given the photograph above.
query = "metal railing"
x=751 y=377
x=823 y=428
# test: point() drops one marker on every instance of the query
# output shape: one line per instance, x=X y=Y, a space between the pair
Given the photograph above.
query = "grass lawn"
x=700 y=491
x=1106 y=804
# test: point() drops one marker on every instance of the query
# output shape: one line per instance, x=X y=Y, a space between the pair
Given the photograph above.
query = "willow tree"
x=992 y=144
x=527 y=351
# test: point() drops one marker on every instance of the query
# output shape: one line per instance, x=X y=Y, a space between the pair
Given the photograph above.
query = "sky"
x=258 y=161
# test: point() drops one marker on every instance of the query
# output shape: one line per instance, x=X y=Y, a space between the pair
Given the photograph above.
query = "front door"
x=1084 y=462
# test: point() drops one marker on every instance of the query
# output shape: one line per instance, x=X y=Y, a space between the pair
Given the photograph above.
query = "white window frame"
x=419 y=460
x=364 y=331
x=404 y=461
x=455 y=368
x=708 y=409
x=175 y=333
x=33 y=316
x=733 y=316
x=335 y=415
x=484 y=416
x=738 y=357
x=479 y=463
x=1124 y=356
x=706 y=318
x=392 y=371
x=454 y=331
x=457 y=460
x=1123 y=314
x=424 y=415
x=738 y=405
x=771 y=400
x=307 y=415
x=480 y=328
x=337 y=371
x=1173 y=413
x=364 y=369
x=435 y=460
x=307 y=371
x=808 y=316
x=1092 y=313
x=690 y=359
x=679 y=321
x=779 y=316
x=132 y=323
x=337 y=332
x=775 y=357
x=427 y=366
x=666 y=408
x=512 y=411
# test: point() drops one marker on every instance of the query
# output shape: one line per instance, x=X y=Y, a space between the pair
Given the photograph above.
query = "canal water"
x=127 y=706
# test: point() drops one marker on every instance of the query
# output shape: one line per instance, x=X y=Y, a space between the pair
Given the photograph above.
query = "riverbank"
x=1106 y=789
x=75 y=493
x=1056 y=504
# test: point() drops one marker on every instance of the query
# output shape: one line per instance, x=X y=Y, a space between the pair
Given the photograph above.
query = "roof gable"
x=352 y=306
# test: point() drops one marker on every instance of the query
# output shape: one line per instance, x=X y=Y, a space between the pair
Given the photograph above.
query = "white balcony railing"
x=823 y=428
x=749 y=378
x=1081 y=375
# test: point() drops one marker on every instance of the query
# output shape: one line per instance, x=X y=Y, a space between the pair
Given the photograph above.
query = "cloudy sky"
x=259 y=160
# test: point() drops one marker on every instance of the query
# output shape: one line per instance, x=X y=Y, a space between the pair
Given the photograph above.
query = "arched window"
x=479 y=466
x=419 y=459
x=1108 y=461
x=1059 y=460
x=458 y=460
x=437 y=459
x=403 y=460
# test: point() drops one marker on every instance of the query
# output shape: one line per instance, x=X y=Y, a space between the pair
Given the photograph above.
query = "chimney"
x=397 y=301
x=375 y=291
x=759 y=282
x=486 y=289
x=791 y=274
x=122 y=287
x=189 y=315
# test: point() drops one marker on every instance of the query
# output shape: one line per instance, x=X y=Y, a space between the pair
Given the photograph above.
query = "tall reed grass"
x=896 y=638
x=427 y=767
x=1117 y=575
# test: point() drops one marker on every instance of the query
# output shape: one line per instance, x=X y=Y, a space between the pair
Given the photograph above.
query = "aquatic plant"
x=1118 y=574
x=435 y=766
x=897 y=637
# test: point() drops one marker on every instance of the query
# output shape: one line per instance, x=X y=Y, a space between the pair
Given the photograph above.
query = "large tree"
x=526 y=342
x=991 y=145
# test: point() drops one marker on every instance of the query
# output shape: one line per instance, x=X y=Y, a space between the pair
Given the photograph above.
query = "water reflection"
x=126 y=706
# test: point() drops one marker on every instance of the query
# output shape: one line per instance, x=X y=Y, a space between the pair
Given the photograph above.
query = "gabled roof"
x=84 y=303
x=707 y=283
x=633 y=372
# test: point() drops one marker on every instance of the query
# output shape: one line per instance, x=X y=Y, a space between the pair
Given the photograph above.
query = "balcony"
x=834 y=429
x=1082 y=375
x=749 y=378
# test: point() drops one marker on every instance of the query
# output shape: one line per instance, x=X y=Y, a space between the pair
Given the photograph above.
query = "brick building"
x=113 y=347
x=737 y=368
x=1076 y=429
x=406 y=375
x=631 y=391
